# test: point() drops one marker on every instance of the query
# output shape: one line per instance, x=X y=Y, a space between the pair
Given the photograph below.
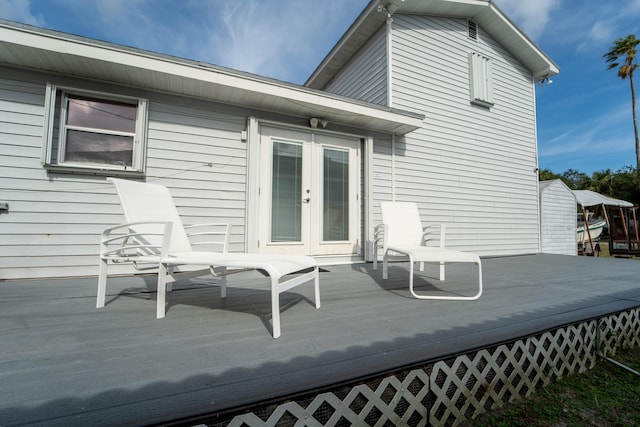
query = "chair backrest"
x=151 y=202
x=403 y=226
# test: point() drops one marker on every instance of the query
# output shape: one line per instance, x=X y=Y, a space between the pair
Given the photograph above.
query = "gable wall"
x=468 y=166
x=55 y=220
x=365 y=77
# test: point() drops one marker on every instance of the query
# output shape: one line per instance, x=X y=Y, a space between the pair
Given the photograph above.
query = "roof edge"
x=36 y=38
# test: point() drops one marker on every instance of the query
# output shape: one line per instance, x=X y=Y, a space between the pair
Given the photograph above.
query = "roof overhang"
x=483 y=12
x=34 y=48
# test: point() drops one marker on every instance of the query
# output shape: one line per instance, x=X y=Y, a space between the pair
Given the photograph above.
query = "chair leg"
x=385 y=266
x=162 y=291
x=442 y=297
x=479 y=279
x=223 y=283
x=411 y=262
x=170 y=284
x=275 y=307
x=375 y=256
x=316 y=286
x=102 y=283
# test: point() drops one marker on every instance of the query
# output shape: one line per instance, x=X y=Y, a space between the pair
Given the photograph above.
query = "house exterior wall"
x=470 y=167
x=55 y=220
x=557 y=218
x=365 y=77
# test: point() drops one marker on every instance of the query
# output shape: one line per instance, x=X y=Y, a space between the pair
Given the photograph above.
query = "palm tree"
x=602 y=182
x=623 y=55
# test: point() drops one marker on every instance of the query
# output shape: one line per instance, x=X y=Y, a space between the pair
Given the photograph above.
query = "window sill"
x=482 y=103
x=94 y=171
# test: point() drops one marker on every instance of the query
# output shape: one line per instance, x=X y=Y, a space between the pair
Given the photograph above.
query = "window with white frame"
x=480 y=85
x=94 y=132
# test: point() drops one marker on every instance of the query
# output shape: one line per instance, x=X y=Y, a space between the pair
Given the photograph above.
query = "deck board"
x=64 y=362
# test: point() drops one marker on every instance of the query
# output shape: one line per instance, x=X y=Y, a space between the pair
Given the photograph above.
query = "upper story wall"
x=475 y=164
x=430 y=57
x=365 y=77
x=471 y=165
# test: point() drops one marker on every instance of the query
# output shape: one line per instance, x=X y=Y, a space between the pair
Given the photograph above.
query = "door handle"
x=307 y=200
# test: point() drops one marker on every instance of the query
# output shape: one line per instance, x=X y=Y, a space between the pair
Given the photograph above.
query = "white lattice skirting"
x=452 y=391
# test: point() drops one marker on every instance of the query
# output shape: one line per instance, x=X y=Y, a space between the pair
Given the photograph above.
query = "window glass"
x=90 y=147
x=98 y=114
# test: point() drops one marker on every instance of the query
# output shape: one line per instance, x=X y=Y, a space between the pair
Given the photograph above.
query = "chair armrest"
x=211 y=234
x=378 y=237
x=427 y=234
x=122 y=243
x=378 y=233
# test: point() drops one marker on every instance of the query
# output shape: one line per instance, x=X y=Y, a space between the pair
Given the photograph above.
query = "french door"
x=309 y=193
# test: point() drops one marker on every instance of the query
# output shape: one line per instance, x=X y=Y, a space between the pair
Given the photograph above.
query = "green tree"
x=576 y=180
x=602 y=182
x=626 y=182
x=623 y=56
x=547 y=174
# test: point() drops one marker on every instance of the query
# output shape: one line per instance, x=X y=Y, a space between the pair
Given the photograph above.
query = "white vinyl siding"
x=54 y=221
x=469 y=166
x=365 y=76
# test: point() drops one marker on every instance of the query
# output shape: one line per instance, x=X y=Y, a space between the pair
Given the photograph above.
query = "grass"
x=604 y=396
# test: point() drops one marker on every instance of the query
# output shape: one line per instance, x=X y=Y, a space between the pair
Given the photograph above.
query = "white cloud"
x=280 y=40
x=634 y=6
x=273 y=38
x=602 y=31
x=20 y=11
x=599 y=135
x=609 y=22
x=530 y=16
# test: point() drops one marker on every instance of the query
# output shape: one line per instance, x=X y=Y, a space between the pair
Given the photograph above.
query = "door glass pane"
x=286 y=192
x=335 y=221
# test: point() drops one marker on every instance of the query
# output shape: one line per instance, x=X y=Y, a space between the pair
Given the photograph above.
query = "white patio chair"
x=154 y=237
x=401 y=232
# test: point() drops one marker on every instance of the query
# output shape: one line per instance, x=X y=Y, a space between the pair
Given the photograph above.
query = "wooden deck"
x=64 y=362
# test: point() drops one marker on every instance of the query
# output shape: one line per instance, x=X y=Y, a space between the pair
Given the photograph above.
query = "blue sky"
x=584 y=116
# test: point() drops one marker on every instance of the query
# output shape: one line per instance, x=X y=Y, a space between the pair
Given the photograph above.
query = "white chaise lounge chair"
x=154 y=236
x=401 y=232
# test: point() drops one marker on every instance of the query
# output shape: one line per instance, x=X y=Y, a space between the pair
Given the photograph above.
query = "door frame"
x=252 y=137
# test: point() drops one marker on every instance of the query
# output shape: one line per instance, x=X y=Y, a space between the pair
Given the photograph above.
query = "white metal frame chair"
x=401 y=232
x=154 y=237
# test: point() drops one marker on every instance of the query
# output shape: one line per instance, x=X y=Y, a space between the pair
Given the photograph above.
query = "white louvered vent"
x=473 y=30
